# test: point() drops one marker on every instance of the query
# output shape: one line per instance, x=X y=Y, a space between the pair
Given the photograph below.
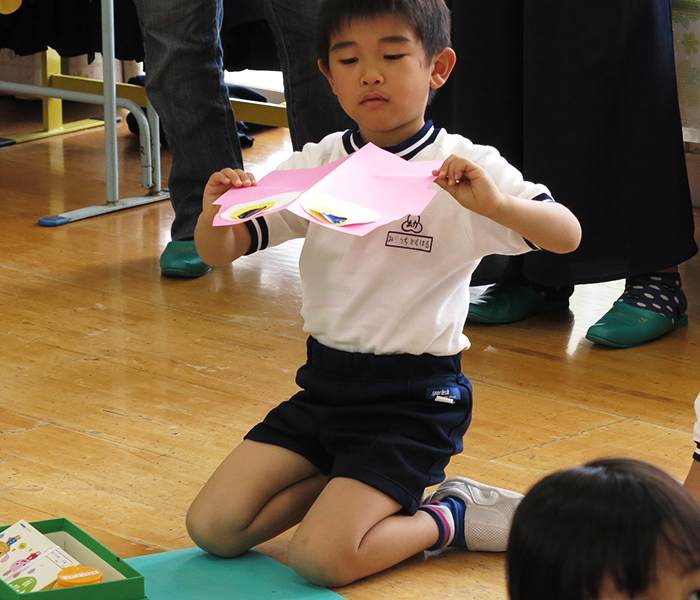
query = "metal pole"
x=110 y=105
x=154 y=126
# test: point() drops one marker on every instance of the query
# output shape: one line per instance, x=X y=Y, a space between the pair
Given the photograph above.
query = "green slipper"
x=626 y=326
x=180 y=259
x=511 y=302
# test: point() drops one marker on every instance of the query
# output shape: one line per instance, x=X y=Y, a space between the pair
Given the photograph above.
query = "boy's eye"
x=694 y=595
x=394 y=56
x=347 y=61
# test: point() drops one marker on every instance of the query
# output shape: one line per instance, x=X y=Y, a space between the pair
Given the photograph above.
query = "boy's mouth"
x=373 y=100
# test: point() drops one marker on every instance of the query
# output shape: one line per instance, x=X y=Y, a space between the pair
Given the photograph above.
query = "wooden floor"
x=121 y=391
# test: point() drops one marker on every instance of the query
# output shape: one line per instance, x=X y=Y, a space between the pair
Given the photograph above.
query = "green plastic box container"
x=121 y=581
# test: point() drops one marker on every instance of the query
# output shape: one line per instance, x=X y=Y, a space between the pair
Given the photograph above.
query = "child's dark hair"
x=430 y=19
x=607 y=519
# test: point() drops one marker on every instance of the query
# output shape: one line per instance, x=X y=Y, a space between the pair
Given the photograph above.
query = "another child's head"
x=429 y=19
x=384 y=59
x=611 y=529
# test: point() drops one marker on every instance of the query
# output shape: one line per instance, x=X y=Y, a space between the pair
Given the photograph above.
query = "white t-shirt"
x=404 y=287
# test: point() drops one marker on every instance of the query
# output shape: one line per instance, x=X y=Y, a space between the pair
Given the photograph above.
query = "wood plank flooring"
x=121 y=391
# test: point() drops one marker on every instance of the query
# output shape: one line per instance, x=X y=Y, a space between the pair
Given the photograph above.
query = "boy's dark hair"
x=606 y=519
x=430 y=19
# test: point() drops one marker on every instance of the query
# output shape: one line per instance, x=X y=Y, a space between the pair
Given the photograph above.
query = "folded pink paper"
x=355 y=195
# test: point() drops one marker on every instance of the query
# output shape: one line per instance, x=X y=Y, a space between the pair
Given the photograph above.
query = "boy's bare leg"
x=257 y=492
x=692 y=480
x=353 y=530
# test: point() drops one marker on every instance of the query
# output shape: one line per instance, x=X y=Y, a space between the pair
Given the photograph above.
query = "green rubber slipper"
x=180 y=259
x=626 y=326
x=511 y=302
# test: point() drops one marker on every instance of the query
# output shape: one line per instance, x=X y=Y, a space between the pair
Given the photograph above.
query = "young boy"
x=384 y=403
x=612 y=529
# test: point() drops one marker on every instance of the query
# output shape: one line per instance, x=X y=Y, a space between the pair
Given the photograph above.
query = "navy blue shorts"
x=390 y=421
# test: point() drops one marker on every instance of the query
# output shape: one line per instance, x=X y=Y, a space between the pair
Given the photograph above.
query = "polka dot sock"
x=658 y=292
x=448 y=514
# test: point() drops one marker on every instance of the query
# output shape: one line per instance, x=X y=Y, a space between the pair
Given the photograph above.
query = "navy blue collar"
x=352 y=141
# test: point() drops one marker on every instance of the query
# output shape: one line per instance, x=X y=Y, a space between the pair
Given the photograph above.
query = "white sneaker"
x=488 y=515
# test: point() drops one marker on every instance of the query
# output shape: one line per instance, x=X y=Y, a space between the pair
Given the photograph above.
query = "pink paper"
x=371 y=178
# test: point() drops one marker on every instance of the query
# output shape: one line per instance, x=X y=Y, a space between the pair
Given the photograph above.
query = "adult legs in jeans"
x=312 y=108
x=184 y=81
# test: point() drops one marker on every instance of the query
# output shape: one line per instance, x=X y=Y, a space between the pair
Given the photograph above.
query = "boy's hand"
x=549 y=225
x=470 y=185
x=218 y=246
x=220 y=182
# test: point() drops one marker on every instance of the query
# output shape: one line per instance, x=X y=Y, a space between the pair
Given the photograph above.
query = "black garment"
x=581 y=96
x=71 y=27
x=246 y=37
x=74 y=28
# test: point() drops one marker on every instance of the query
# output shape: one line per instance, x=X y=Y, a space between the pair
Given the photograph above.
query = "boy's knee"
x=319 y=566
x=215 y=533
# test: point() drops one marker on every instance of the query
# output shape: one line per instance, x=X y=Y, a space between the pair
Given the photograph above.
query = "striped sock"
x=448 y=514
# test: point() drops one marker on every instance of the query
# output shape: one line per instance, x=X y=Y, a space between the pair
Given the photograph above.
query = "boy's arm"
x=219 y=246
x=548 y=225
x=692 y=480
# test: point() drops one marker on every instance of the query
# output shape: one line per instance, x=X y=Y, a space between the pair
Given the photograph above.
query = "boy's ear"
x=443 y=63
x=327 y=73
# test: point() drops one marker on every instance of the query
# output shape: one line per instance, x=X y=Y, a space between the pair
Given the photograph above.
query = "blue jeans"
x=312 y=108
x=185 y=83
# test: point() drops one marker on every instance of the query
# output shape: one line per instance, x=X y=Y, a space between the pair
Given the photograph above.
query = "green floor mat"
x=193 y=574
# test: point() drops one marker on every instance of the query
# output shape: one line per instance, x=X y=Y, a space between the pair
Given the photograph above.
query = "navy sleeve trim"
x=254 y=237
x=696 y=455
x=541 y=198
x=259 y=235
x=544 y=198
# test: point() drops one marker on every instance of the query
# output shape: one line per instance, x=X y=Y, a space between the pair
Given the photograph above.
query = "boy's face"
x=671 y=583
x=380 y=73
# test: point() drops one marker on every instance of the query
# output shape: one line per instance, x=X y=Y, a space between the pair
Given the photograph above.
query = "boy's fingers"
x=474 y=168
x=242 y=179
x=456 y=168
x=443 y=172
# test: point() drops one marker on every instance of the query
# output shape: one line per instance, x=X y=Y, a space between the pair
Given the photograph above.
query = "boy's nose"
x=371 y=77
